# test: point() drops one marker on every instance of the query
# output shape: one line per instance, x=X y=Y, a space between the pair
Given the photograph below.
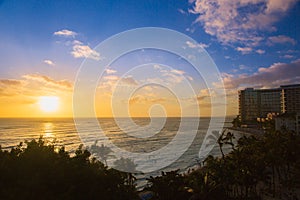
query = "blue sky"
x=253 y=42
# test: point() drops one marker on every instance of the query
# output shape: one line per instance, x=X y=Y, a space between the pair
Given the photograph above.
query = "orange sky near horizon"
x=20 y=98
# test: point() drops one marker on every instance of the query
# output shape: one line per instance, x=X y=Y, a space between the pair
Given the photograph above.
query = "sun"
x=48 y=103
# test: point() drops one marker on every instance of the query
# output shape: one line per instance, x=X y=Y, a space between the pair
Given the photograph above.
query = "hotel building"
x=258 y=103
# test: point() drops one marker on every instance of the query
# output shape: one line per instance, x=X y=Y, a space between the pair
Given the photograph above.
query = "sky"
x=254 y=43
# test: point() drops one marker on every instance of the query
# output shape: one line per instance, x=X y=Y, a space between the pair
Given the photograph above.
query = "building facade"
x=290 y=98
x=258 y=103
x=249 y=104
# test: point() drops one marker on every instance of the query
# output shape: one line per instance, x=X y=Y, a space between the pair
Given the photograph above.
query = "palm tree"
x=225 y=139
x=103 y=152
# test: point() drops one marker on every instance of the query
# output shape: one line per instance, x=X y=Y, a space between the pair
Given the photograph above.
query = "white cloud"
x=174 y=77
x=49 y=62
x=76 y=42
x=197 y=45
x=176 y=71
x=65 y=33
x=190 y=78
x=260 y=51
x=111 y=78
x=84 y=51
x=243 y=21
x=181 y=11
x=288 y=56
x=281 y=39
x=110 y=71
x=244 y=50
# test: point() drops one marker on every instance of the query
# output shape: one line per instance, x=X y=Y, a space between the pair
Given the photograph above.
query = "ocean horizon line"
x=227 y=116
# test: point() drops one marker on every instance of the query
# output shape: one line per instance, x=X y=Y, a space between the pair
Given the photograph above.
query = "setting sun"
x=49 y=103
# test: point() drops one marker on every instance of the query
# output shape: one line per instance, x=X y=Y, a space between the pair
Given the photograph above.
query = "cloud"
x=31 y=85
x=111 y=78
x=129 y=81
x=203 y=94
x=260 y=51
x=49 y=81
x=176 y=71
x=281 y=39
x=49 y=62
x=65 y=33
x=182 y=11
x=110 y=71
x=197 y=45
x=10 y=82
x=10 y=87
x=273 y=76
x=288 y=56
x=173 y=76
x=244 y=67
x=244 y=50
x=156 y=66
x=243 y=22
x=142 y=99
x=76 y=42
x=190 y=78
x=84 y=51
x=110 y=81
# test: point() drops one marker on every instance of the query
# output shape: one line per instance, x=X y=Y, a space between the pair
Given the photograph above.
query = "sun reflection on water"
x=48 y=130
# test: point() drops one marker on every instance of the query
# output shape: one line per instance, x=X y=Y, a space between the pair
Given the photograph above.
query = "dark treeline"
x=266 y=167
x=40 y=171
x=256 y=168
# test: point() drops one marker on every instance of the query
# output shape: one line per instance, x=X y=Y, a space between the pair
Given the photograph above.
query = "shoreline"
x=245 y=131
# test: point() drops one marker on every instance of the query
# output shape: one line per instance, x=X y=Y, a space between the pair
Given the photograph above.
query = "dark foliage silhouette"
x=40 y=171
x=257 y=168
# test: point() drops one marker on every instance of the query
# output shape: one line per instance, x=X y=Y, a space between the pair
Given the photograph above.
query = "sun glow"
x=49 y=103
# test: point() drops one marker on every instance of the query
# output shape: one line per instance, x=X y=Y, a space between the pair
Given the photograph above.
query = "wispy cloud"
x=110 y=71
x=244 y=50
x=49 y=81
x=260 y=51
x=272 y=76
x=176 y=71
x=84 y=51
x=128 y=81
x=110 y=81
x=174 y=76
x=243 y=22
x=182 y=11
x=281 y=39
x=197 y=45
x=79 y=49
x=49 y=62
x=10 y=82
x=65 y=33
x=25 y=89
x=288 y=56
x=144 y=99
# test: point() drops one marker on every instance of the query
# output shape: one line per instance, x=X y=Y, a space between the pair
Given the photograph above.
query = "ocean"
x=63 y=132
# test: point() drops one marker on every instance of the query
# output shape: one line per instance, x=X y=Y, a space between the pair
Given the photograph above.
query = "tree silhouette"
x=103 y=152
x=38 y=170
